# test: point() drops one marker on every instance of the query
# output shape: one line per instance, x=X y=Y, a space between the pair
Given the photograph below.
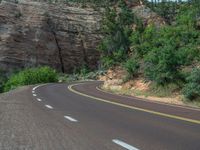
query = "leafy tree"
x=162 y=64
x=116 y=27
x=166 y=49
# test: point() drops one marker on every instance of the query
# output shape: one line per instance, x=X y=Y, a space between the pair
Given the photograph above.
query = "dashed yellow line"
x=70 y=87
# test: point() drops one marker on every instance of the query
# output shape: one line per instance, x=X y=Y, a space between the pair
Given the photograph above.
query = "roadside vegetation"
x=167 y=56
x=30 y=76
x=39 y=75
x=81 y=74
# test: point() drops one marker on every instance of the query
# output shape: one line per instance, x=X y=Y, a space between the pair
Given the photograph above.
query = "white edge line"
x=124 y=145
x=34 y=88
x=39 y=100
x=48 y=106
x=70 y=119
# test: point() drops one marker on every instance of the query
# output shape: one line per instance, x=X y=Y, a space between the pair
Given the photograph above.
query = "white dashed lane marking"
x=39 y=100
x=48 y=106
x=36 y=87
x=35 y=95
x=70 y=119
x=124 y=145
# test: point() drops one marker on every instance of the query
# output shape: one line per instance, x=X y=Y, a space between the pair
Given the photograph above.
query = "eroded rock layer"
x=38 y=33
x=63 y=36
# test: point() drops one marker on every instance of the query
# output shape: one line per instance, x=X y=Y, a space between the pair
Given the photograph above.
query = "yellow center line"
x=70 y=87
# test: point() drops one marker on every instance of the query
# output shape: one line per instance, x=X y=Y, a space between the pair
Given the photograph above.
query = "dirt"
x=137 y=87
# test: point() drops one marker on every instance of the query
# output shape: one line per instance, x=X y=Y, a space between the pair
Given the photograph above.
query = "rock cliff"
x=39 y=33
x=34 y=33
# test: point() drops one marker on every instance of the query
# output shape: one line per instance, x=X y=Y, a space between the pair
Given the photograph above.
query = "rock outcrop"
x=148 y=16
x=63 y=36
x=38 y=33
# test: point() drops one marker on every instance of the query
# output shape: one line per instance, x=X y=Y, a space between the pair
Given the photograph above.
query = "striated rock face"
x=34 y=33
x=38 y=33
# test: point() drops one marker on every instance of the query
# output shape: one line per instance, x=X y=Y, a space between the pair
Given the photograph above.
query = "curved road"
x=80 y=116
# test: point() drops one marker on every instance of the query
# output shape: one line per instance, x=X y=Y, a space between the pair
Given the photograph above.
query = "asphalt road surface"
x=80 y=116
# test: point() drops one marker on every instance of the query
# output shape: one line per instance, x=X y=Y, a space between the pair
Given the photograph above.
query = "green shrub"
x=162 y=65
x=107 y=62
x=116 y=28
x=131 y=66
x=191 y=90
x=165 y=50
x=143 y=42
x=31 y=76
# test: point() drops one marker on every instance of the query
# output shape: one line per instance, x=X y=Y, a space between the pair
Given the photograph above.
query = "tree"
x=116 y=27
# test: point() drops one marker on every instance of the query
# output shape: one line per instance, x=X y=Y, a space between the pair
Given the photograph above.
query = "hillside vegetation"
x=164 y=55
x=30 y=76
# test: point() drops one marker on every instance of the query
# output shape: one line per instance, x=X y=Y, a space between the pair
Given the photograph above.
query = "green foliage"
x=83 y=69
x=166 y=49
x=116 y=27
x=31 y=76
x=163 y=50
x=187 y=17
x=162 y=65
x=131 y=66
x=191 y=90
x=84 y=73
x=81 y=74
x=3 y=79
x=107 y=62
x=142 y=41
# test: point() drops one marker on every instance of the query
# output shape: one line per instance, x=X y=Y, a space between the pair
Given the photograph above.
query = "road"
x=80 y=116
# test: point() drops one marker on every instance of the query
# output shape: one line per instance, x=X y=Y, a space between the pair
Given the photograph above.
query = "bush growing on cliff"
x=131 y=66
x=162 y=65
x=166 y=49
x=31 y=76
x=162 y=52
x=116 y=27
x=191 y=90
